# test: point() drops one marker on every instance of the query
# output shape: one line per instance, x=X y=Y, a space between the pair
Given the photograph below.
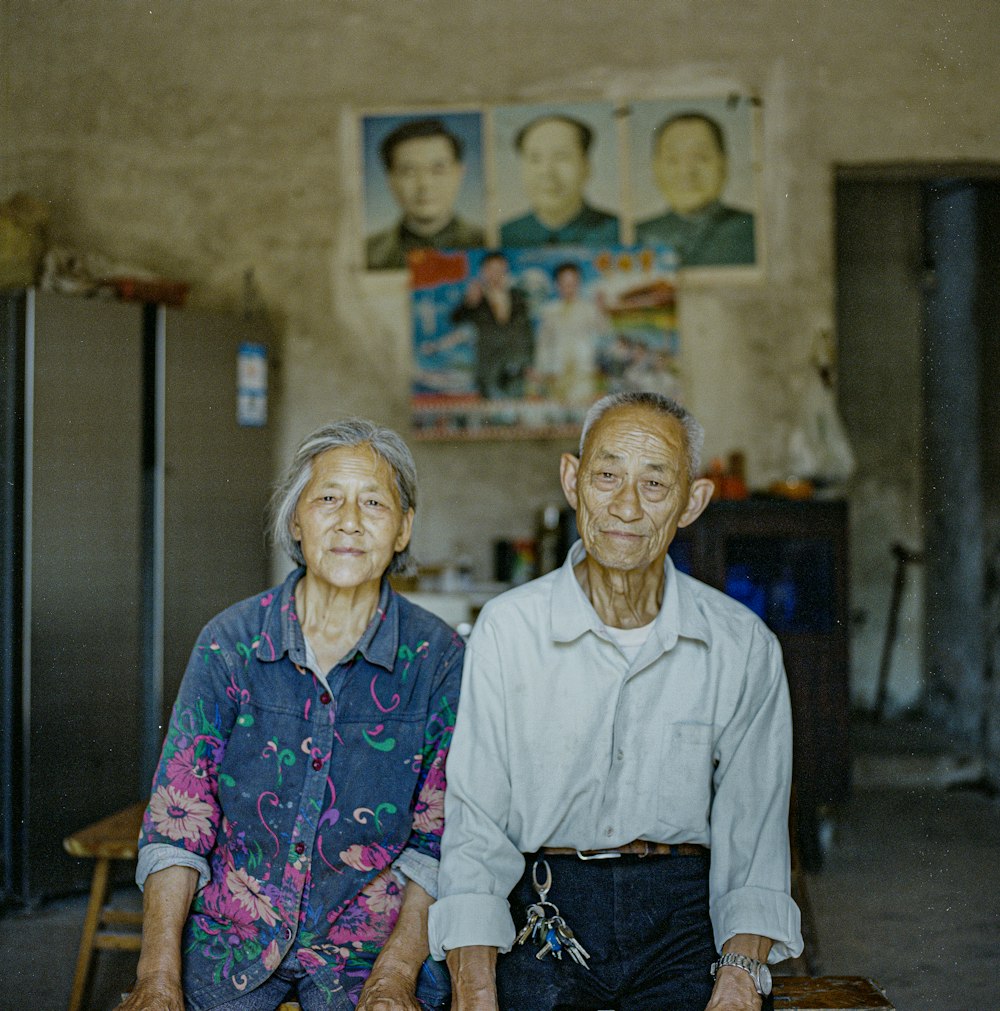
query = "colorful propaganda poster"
x=518 y=343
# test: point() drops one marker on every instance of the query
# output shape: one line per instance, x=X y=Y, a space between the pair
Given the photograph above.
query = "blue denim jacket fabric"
x=300 y=796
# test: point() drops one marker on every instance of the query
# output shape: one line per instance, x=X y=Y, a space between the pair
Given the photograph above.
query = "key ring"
x=541 y=889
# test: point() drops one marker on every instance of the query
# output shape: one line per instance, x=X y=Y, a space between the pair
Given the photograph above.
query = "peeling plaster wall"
x=200 y=139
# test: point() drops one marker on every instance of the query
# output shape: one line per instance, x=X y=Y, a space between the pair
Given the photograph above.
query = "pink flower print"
x=310 y=960
x=271 y=956
x=352 y=927
x=366 y=858
x=428 y=814
x=189 y=773
x=249 y=892
x=383 y=894
x=235 y=921
x=178 y=815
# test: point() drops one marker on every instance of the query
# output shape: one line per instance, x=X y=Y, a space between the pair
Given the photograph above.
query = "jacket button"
x=325 y=698
x=317 y=764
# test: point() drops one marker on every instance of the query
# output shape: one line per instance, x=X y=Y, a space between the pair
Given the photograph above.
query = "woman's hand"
x=154 y=993
x=165 y=903
x=387 y=991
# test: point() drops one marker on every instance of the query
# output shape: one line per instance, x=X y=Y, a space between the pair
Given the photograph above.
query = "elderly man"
x=424 y=168
x=690 y=169
x=555 y=166
x=621 y=765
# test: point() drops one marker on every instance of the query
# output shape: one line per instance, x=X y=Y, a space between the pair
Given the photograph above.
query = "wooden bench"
x=805 y=993
x=817 y=993
x=113 y=838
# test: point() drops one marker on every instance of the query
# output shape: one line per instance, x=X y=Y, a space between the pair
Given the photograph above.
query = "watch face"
x=765 y=979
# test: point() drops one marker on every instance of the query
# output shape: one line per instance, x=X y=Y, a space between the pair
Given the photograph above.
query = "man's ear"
x=569 y=467
x=698 y=498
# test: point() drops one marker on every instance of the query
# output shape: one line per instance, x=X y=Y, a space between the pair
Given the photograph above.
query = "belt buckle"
x=599 y=855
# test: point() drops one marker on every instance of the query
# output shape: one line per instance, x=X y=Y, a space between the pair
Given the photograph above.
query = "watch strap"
x=749 y=965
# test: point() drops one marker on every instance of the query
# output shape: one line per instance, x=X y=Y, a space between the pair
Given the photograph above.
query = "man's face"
x=568 y=284
x=425 y=178
x=494 y=273
x=554 y=169
x=688 y=166
x=630 y=488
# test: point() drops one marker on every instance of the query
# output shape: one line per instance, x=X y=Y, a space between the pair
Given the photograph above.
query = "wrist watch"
x=759 y=972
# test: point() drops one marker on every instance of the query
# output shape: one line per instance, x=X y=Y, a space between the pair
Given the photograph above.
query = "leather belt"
x=638 y=848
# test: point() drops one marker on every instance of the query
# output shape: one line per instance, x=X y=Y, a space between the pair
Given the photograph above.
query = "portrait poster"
x=694 y=179
x=423 y=186
x=556 y=175
x=518 y=343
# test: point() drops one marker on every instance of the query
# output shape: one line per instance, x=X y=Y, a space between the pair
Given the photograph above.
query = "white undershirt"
x=631 y=640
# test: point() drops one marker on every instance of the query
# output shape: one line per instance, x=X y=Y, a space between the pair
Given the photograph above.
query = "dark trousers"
x=645 y=923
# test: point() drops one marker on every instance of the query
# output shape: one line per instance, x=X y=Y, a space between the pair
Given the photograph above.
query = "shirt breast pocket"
x=684 y=790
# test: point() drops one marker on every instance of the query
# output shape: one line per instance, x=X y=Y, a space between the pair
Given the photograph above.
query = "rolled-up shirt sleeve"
x=479 y=864
x=750 y=868
x=159 y=856
x=184 y=812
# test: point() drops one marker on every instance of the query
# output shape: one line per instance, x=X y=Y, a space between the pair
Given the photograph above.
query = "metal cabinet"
x=132 y=511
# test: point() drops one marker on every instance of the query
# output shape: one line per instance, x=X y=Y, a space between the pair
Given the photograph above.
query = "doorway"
x=918 y=323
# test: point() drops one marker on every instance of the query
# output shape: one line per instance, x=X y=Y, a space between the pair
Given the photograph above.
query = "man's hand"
x=734 y=987
x=733 y=991
x=388 y=991
x=473 y=978
x=154 y=993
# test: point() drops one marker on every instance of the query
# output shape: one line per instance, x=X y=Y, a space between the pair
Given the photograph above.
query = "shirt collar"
x=572 y=613
x=407 y=233
x=282 y=633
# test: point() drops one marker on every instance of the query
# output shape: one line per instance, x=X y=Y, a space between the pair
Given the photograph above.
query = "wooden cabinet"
x=787 y=561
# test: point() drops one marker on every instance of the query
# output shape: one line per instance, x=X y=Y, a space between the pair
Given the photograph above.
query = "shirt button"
x=317 y=764
x=325 y=698
x=287 y=932
x=300 y=847
x=620 y=756
x=609 y=832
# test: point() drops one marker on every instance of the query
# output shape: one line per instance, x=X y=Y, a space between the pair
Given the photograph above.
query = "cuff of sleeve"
x=419 y=868
x=459 y=921
x=158 y=856
x=759 y=911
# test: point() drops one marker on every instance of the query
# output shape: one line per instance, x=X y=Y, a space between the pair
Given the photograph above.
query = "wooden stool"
x=817 y=993
x=113 y=838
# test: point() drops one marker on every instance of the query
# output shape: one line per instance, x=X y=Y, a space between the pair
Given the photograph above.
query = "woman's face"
x=348 y=519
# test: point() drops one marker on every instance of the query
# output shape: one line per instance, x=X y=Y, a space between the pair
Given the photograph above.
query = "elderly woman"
x=291 y=842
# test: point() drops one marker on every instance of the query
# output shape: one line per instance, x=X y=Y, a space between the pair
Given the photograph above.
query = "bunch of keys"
x=550 y=927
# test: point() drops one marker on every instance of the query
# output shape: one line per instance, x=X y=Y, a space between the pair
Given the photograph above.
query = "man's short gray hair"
x=694 y=434
x=384 y=442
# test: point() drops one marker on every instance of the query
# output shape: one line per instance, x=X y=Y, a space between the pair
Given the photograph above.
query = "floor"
x=909 y=893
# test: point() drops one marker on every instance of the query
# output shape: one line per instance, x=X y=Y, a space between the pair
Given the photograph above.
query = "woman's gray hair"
x=384 y=442
x=694 y=434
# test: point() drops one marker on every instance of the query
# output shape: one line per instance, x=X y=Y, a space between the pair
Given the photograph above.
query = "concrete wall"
x=200 y=139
